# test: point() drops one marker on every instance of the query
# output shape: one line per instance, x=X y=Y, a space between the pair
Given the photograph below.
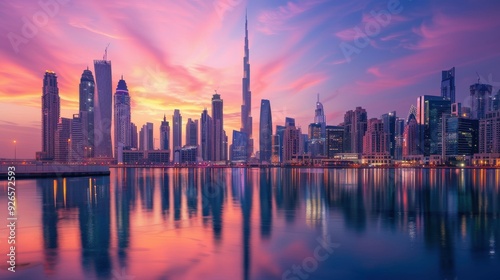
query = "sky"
x=380 y=55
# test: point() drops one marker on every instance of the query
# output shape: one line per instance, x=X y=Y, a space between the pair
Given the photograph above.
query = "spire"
x=122 y=76
x=164 y=118
x=318 y=97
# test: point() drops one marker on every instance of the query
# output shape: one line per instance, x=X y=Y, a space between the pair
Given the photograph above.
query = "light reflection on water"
x=259 y=223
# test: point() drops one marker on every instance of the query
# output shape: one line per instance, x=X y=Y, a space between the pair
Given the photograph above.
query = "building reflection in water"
x=91 y=198
x=266 y=203
x=442 y=208
x=213 y=193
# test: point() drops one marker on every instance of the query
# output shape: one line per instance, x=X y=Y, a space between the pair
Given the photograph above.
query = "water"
x=259 y=224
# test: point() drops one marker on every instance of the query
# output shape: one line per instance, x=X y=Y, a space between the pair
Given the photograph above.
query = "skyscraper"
x=489 y=133
x=146 y=141
x=192 y=132
x=239 y=147
x=87 y=90
x=76 y=153
x=319 y=117
x=218 y=128
x=411 y=137
x=177 y=130
x=291 y=141
x=265 y=131
x=334 y=140
x=133 y=136
x=62 y=139
x=103 y=107
x=481 y=100
x=355 y=125
x=246 y=107
x=280 y=132
x=461 y=136
x=164 y=134
x=122 y=116
x=375 y=138
x=206 y=131
x=430 y=111
x=51 y=107
x=398 y=132
x=448 y=84
x=389 y=123
x=314 y=143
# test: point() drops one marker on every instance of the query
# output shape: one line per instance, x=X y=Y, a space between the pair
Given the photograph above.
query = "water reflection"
x=450 y=216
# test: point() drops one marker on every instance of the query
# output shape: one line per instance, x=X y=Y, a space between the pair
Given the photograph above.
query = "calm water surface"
x=259 y=224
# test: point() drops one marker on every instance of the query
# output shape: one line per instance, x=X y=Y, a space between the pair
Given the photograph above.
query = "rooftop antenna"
x=318 y=97
x=105 y=57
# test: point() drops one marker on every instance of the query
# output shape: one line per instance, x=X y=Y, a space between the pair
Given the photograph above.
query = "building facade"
x=192 y=132
x=265 y=131
x=86 y=109
x=122 y=118
x=176 y=130
x=218 y=128
x=164 y=134
x=51 y=106
x=480 y=100
x=103 y=108
x=448 y=84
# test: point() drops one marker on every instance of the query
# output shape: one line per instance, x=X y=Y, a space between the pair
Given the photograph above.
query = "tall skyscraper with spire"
x=103 y=108
x=246 y=107
x=87 y=90
x=122 y=116
x=51 y=106
x=319 y=117
x=177 y=130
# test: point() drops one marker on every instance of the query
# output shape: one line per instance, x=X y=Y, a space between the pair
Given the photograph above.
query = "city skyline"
x=301 y=69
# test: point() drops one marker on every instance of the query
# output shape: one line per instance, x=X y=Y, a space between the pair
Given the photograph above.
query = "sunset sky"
x=174 y=54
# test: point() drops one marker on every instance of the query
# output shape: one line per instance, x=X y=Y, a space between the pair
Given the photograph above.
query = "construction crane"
x=105 y=57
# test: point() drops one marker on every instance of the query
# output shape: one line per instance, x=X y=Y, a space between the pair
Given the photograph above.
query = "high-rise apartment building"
x=51 y=105
x=122 y=119
x=355 y=125
x=192 y=132
x=206 y=136
x=86 y=110
x=164 y=134
x=146 y=141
